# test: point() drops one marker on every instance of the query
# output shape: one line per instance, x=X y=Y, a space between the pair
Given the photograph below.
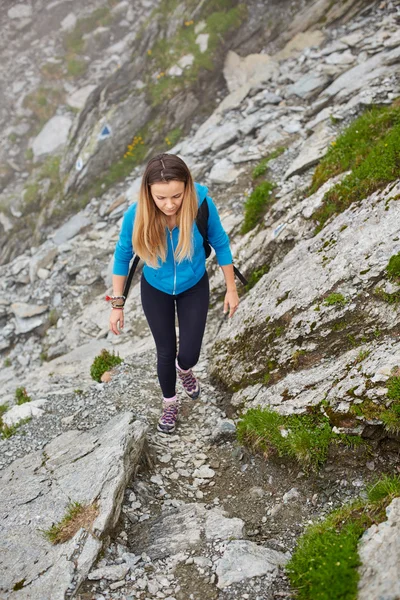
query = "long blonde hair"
x=149 y=238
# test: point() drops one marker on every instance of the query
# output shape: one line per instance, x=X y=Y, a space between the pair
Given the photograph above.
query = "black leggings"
x=192 y=308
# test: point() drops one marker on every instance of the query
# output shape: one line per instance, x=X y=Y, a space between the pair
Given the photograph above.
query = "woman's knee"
x=166 y=355
x=188 y=359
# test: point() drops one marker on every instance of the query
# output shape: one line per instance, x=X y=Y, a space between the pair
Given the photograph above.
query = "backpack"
x=201 y=222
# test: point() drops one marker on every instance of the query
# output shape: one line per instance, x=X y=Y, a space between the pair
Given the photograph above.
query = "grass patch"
x=76 y=67
x=53 y=317
x=8 y=430
x=77 y=516
x=256 y=205
x=73 y=41
x=393 y=267
x=52 y=70
x=173 y=136
x=305 y=438
x=339 y=326
x=222 y=19
x=391 y=417
x=380 y=293
x=36 y=195
x=7 y=362
x=43 y=102
x=296 y=357
x=254 y=278
x=324 y=564
x=102 y=363
x=362 y=355
x=263 y=164
x=367 y=409
x=370 y=148
x=21 y=395
x=335 y=299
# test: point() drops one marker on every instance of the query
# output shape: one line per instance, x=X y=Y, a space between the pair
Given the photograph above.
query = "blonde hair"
x=149 y=238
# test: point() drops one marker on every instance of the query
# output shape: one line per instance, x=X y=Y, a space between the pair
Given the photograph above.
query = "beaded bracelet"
x=116 y=301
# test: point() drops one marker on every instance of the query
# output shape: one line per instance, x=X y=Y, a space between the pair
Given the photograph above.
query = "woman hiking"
x=160 y=228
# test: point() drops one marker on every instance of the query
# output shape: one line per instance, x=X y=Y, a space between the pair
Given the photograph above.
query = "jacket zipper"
x=173 y=256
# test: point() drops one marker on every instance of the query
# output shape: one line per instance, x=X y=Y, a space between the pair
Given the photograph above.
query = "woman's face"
x=168 y=196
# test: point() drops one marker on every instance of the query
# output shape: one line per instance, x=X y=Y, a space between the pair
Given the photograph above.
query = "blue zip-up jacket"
x=173 y=277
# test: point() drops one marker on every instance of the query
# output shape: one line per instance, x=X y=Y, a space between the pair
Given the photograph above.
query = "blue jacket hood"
x=202 y=191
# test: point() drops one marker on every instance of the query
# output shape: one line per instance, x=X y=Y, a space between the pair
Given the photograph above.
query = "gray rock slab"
x=53 y=135
x=176 y=532
x=69 y=22
x=224 y=171
x=42 y=259
x=23 y=310
x=358 y=77
x=20 y=11
x=224 y=430
x=252 y=69
x=340 y=58
x=35 y=491
x=219 y=526
x=35 y=408
x=312 y=150
x=111 y=572
x=379 y=550
x=71 y=228
x=243 y=559
x=29 y=324
x=309 y=85
x=78 y=98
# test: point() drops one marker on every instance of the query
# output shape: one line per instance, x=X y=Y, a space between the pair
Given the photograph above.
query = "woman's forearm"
x=229 y=277
x=118 y=282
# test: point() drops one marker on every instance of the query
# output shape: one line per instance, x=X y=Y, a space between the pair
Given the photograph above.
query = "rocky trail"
x=205 y=519
x=201 y=517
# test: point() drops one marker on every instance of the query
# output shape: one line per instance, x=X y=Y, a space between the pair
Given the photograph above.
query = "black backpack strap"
x=240 y=276
x=130 y=275
x=202 y=225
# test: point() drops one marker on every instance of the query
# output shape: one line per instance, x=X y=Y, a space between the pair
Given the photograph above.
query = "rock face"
x=244 y=559
x=282 y=308
x=379 y=551
x=85 y=467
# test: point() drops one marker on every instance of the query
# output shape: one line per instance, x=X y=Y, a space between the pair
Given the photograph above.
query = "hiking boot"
x=169 y=417
x=190 y=384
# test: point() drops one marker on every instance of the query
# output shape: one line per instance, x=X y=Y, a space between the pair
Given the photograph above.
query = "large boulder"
x=89 y=467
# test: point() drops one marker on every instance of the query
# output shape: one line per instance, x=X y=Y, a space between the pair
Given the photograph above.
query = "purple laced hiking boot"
x=169 y=416
x=190 y=384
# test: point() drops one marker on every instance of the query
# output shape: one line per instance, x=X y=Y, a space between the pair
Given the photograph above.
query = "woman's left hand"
x=231 y=302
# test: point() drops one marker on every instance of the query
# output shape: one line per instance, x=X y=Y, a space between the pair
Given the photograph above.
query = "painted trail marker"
x=278 y=229
x=105 y=132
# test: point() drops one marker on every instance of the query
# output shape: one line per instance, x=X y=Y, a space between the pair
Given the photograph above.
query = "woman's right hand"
x=116 y=320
